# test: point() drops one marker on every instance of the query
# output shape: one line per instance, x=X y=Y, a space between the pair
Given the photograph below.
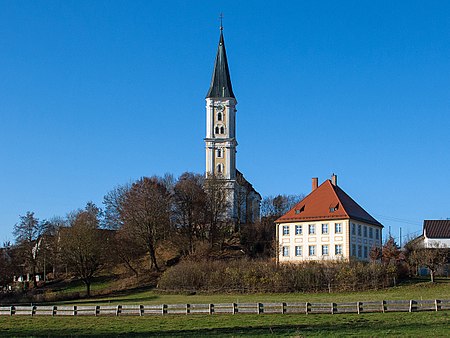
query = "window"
x=370 y=232
x=377 y=233
x=219 y=152
x=354 y=250
x=359 y=230
x=366 y=252
x=298 y=250
x=324 y=229
x=219 y=117
x=219 y=168
x=312 y=229
x=365 y=231
x=359 y=251
x=285 y=230
x=338 y=228
x=312 y=250
x=222 y=130
x=324 y=250
x=285 y=251
x=338 y=249
x=353 y=229
x=298 y=230
x=217 y=130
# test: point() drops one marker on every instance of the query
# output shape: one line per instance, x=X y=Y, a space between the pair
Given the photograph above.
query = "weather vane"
x=221 y=18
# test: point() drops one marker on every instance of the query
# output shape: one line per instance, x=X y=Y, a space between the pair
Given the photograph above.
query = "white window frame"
x=338 y=228
x=311 y=229
x=285 y=251
x=312 y=250
x=298 y=251
x=325 y=250
x=299 y=230
x=285 y=230
x=325 y=227
x=338 y=249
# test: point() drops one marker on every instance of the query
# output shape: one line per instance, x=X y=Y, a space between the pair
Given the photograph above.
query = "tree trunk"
x=152 y=254
x=88 y=288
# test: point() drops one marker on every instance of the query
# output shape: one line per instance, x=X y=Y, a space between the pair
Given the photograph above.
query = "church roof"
x=220 y=82
x=327 y=202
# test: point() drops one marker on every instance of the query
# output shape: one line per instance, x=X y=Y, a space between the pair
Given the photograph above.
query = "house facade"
x=220 y=143
x=326 y=225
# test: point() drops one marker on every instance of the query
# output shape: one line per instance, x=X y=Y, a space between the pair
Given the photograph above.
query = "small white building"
x=326 y=225
x=436 y=234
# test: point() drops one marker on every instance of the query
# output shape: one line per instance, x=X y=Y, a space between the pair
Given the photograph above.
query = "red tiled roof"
x=327 y=202
x=436 y=228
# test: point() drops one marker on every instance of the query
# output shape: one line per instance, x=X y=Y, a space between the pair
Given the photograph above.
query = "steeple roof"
x=327 y=202
x=220 y=82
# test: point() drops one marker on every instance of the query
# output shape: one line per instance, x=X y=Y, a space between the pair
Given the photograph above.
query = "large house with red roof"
x=326 y=225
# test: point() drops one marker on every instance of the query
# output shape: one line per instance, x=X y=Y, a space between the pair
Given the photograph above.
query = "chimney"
x=334 y=180
x=315 y=183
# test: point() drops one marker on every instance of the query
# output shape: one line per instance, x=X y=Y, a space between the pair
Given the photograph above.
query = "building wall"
x=436 y=242
x=330 y=245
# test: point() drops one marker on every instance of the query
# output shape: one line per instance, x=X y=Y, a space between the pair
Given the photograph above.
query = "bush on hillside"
x=265 y=276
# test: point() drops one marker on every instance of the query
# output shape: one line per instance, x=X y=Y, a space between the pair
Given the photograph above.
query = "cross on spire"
x=221 y=19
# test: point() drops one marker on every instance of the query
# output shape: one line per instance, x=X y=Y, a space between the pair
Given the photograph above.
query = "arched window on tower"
x=219 y=116
x=222 y=130
x=217 y=130
x=219 y=152
x=219 y=168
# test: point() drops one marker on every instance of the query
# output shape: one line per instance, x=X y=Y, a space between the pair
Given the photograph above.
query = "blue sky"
x=94 y=94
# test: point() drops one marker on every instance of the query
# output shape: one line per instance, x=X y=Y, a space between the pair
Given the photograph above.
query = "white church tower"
x=221 y=142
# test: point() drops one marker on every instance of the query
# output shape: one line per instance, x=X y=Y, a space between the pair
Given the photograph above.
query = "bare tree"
x=190 y=208
x=145 y=213
x=217 y=206
x=276 y=206
x=83 y=245
x=433 y=257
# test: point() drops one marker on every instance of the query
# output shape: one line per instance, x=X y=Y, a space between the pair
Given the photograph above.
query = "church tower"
x=220 y=119
x=221 y=143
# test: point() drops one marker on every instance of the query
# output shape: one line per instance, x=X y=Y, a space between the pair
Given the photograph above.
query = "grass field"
x=416 y=324
x=423 y=324
x=418 y=290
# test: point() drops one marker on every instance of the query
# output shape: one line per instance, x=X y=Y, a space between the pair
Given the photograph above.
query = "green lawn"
x=417 y=291
x=420 y=324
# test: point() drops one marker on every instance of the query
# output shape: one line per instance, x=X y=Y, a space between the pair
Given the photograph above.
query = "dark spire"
x=220 y=82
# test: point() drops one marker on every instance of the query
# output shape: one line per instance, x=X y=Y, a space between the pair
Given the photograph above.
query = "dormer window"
x=334 y=207
x=298 y=211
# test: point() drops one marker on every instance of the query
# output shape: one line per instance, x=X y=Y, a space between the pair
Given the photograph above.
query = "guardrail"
x=228 y=308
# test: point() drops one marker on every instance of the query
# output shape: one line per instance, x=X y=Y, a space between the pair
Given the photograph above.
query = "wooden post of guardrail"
x=211 y=309
x=358 y=307
x=97 y=310
x=260 y=308
x=410 y=305
x=75 y=312
x=33 y=310
x=118 y=309
x=283 y=308
x=54 y=310
x=164 y=309
x=436 y=304
x=141 y=310
x=333 y=308
x=307 y=307
x=11 y=310
x=188 y=309
x=383 y=306
x=235 y=309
